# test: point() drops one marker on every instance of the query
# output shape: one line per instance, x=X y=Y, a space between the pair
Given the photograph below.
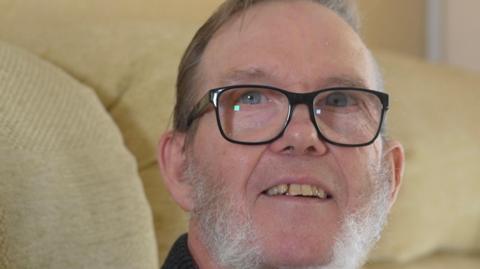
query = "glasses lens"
x=348 y=116
x=252 y=114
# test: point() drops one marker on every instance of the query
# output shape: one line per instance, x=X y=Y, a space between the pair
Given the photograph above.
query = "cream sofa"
x=80 y=81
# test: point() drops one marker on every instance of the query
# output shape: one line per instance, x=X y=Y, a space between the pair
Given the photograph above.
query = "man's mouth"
x=298 y=190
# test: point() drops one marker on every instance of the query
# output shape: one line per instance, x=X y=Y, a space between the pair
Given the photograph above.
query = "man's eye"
x=251 y=98
x=339 y=99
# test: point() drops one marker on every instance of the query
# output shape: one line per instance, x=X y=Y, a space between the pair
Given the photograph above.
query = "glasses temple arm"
x=198 y=109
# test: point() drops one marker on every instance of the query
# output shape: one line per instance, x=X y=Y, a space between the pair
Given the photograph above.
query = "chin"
x=297 y=251
x=296 y=261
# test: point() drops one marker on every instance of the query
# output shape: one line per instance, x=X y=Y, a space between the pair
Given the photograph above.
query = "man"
x=278 y=151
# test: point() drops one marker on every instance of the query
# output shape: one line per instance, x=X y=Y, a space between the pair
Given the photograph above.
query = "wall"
x=394 y=25
x=462 y=33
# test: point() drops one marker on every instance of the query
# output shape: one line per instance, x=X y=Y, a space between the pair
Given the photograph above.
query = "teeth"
x=319 y=193
x=294 y=189
x=307 y=190
x=272 y=191
x=297 y=190
x=279 y=189
x=283 y=188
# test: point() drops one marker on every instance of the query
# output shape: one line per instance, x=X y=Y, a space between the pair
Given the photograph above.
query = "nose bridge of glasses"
x=296 y=99
x=301 y=114
x=300 y=98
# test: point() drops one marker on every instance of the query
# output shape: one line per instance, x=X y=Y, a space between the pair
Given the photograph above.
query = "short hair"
x=187 y=77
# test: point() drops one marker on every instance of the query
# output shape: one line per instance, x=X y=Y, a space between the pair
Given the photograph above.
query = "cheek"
x=358 y=168
x=222 y=160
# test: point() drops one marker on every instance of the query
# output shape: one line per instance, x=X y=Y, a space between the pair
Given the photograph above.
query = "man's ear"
x=172 y=161
x=394 y=154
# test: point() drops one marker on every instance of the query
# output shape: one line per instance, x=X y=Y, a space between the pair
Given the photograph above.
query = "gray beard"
x=227 y=229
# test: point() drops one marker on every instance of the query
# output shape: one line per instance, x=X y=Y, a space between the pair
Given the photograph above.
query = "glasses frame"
x=294 y=99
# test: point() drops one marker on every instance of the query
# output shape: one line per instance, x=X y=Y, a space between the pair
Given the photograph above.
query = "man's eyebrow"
x=246 y=76
x=345 y=81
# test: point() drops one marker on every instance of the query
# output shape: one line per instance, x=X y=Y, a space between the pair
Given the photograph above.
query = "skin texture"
x=299 y=46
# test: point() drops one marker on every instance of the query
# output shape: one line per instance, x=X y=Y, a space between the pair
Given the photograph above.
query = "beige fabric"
x=70 y=196
x=130 y=58
x=438 y=261
x=131 y=66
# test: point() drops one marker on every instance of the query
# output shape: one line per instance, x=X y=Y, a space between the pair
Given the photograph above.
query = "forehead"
x=297 y=44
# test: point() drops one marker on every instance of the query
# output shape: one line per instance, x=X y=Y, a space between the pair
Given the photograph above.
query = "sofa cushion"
x=440 y=260
x=434 y=113
x=70 y=195
x=131 y=65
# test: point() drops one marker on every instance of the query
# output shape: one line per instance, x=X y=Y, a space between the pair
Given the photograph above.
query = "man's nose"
x=300 y=136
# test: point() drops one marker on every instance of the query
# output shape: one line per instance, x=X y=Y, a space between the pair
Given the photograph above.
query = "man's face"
x=299 y=46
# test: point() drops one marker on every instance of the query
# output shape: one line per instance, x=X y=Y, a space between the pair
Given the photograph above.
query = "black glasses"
x=258 y=114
